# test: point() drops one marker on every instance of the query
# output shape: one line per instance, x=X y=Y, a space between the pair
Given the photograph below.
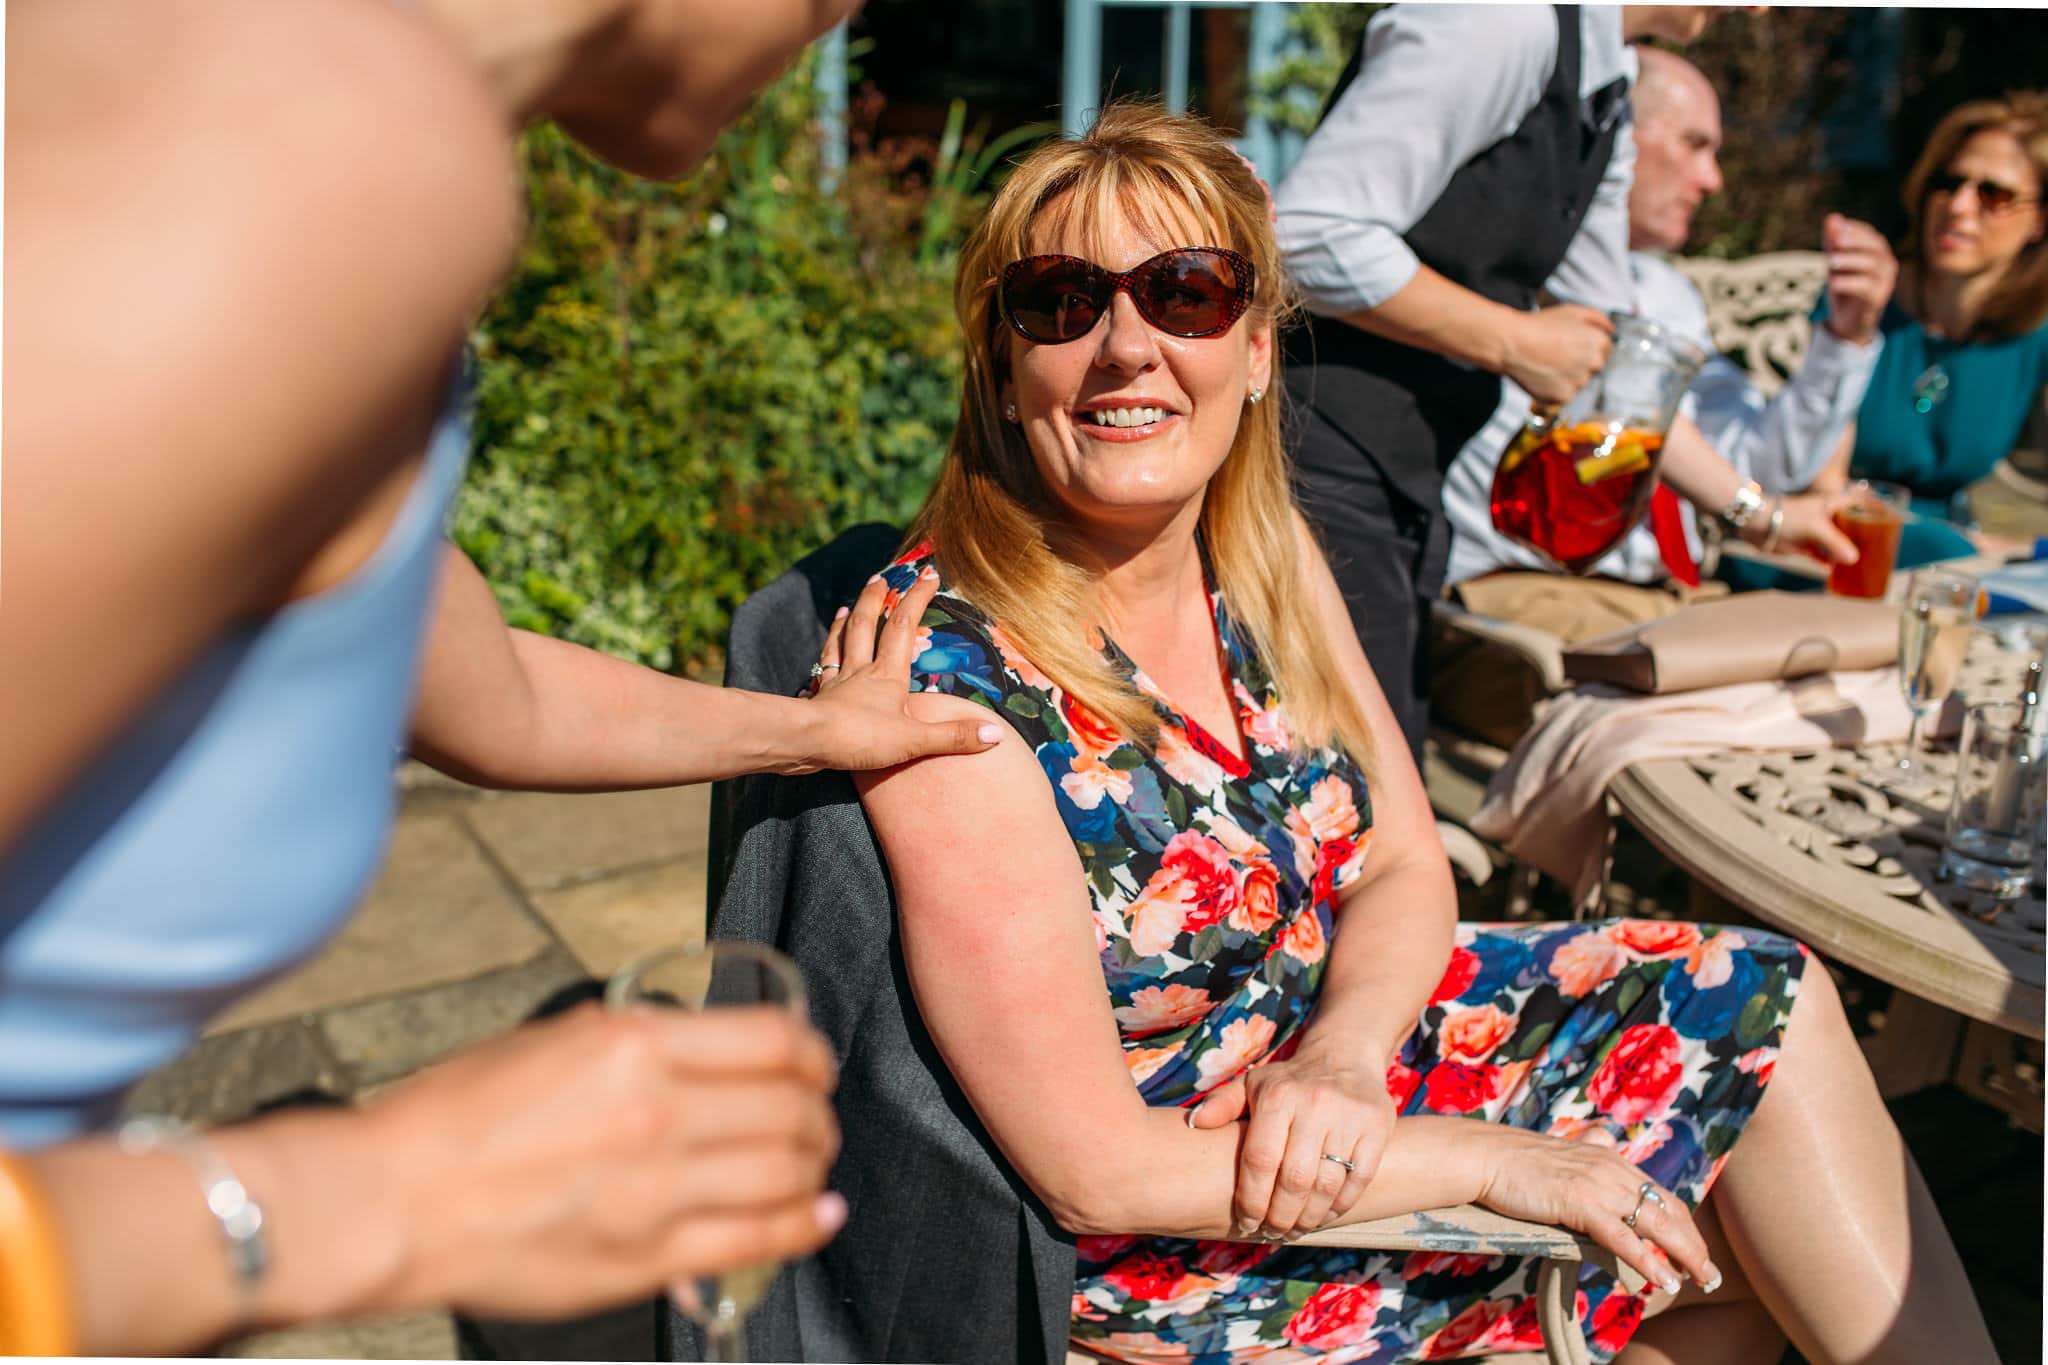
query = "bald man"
x=1765 y=446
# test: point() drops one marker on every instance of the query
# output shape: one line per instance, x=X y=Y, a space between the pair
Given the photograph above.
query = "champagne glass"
x=1936 y=616
x=716 y=975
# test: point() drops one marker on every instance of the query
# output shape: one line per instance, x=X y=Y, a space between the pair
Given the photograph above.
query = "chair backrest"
x=794 y=864
x=1759 y=308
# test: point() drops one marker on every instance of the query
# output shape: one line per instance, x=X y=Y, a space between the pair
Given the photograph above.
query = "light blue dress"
x=223 y=837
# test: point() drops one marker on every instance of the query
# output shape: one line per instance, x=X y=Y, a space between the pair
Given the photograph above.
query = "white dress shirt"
x=1439 y=85
x=1781 y=441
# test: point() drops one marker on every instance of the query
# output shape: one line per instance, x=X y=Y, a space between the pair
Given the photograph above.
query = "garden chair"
x=793 y=863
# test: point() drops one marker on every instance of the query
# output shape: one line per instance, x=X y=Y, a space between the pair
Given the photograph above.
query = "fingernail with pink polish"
x=989 y=734
x=830 y=1211
x=842 y=613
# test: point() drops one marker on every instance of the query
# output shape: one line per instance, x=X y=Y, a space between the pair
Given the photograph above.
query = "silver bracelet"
x=1777 y=524
x=227 y=1199
x=1747 y=502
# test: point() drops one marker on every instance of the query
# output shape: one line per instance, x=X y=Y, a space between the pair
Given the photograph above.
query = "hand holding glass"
x=715 y=975
x=1873 y=516
x=1936 y=616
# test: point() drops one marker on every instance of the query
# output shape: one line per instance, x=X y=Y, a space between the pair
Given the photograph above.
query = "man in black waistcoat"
x=1472 y=159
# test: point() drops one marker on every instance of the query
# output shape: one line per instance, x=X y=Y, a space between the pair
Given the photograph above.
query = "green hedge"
x=685 y=387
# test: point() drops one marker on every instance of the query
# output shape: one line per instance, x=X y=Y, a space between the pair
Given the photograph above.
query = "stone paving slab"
x=224 y=1078
x=383 y=1040
x=549 y=841
x=609 y=922
x=440 y=912
x=415 y=1336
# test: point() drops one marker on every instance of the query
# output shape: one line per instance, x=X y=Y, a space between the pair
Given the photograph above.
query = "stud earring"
x=1010 y=413
x=1255 y=395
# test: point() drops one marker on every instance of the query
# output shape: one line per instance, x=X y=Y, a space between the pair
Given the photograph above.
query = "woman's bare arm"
x=509 y=708
x=1000 y=942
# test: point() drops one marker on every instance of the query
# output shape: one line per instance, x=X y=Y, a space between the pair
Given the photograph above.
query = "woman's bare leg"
x=1828 y=1216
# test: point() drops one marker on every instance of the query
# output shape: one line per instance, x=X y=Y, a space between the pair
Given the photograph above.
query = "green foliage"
x=1320 y=41
x=683 y=388
x=1777 y=72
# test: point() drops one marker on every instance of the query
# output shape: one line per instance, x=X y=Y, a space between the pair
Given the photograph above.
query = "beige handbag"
x=1749 y=637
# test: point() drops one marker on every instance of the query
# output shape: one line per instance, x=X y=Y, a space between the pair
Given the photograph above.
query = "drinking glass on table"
x=720 y=974
x=1872 y=517
x=1994 y=819
x=1936 y=616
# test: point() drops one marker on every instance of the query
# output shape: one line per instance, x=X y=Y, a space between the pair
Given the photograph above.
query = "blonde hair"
x=997 y=533
x=2020 y=302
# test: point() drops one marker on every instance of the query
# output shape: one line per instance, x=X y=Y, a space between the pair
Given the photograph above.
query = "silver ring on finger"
x=826 y=668
x=1646 y=1193
x=817 y=671
x=1347 y=1165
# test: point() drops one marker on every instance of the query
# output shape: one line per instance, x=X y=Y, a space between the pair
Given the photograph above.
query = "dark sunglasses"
x=1191 y=291
x=1992 y=197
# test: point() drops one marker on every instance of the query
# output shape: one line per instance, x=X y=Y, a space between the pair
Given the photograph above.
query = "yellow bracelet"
x=36 y=1313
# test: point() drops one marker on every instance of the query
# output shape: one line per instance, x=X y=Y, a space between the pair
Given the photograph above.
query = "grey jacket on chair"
x=947 y=1255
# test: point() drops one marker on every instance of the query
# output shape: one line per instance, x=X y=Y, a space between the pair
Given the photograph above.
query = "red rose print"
x=1102 y=1249
x=1641 y=1076
x=1335 y=1315
x=1516 y=1330
x=1442 y=1263
x=1460 y=1332
x=1455 y=1088
x=1230 y=1258
x=1091 y=734
x=1304 y=940
x=1148 y=1277
x=1473 y=1035
x=1259 y=905
x=1615 y=1321
x=1655 y=937
x=1401 y=1082
x=1464 y=967
x=1208 y=882
x=1331 y=854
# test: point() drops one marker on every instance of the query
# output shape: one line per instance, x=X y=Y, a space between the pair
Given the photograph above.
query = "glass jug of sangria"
x=1574 y=480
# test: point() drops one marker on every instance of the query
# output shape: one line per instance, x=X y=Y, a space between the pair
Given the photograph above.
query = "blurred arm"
x=223 y=333
x=510 y=708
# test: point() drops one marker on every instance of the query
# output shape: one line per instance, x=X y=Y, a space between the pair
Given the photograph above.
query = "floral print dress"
x=1212 y=882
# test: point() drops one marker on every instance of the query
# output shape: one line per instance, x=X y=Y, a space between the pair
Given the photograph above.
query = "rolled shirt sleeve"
x=1417 y=111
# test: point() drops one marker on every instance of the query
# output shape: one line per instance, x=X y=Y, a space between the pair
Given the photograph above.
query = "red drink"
x=1571 y=493
x=1873 y=525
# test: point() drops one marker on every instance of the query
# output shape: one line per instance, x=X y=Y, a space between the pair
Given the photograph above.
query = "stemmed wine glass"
x=1936 y=616
x=716 y=975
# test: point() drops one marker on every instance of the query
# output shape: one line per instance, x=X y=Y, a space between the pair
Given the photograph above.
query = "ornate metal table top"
x=1839 y=849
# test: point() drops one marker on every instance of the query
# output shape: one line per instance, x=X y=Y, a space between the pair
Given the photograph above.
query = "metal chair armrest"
x=1543 y=651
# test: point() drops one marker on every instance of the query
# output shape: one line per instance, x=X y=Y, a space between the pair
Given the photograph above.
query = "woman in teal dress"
x=1187 y=940
x=1966 y=339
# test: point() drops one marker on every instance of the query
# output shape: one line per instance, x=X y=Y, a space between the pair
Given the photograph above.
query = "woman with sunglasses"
x=1966 y=339
x=1185 y=937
